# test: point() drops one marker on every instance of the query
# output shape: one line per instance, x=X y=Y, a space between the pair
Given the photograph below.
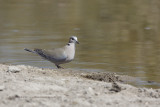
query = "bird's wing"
x=52 y=55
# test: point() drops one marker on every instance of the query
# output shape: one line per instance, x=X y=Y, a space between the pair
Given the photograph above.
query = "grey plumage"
x=60 y=55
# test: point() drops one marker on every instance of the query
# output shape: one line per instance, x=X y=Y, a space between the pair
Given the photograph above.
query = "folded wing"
x=55 y=55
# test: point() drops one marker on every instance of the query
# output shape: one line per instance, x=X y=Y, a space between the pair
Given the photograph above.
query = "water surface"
x=115 y=36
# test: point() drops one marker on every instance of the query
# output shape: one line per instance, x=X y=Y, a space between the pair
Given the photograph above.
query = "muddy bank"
x=30 y=86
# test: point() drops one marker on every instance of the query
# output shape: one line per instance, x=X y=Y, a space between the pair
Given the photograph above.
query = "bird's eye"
x=72 y=38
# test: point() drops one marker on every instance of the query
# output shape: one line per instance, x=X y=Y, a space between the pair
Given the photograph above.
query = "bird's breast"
x=70 y=52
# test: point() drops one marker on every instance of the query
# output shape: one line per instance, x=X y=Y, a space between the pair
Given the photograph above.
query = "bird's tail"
x=29 y=50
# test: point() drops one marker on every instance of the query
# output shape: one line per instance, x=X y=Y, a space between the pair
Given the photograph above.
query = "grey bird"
x=60 y=55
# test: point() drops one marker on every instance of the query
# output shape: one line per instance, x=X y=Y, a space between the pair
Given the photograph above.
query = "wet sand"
x=22 y=85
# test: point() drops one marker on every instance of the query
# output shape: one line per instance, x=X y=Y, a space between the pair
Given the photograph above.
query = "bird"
x=58 y=55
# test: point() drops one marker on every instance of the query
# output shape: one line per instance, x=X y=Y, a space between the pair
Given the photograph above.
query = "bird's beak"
x=77 y=42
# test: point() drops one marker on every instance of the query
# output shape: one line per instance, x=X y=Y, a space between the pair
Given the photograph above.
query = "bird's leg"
x=59 y=67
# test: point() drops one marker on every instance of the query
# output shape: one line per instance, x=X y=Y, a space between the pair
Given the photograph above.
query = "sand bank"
x=22 y=85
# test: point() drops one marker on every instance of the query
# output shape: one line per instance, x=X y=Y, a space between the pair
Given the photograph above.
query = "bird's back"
x=56 y=55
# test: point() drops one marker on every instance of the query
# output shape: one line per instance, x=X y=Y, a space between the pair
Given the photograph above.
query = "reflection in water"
x=115 y=36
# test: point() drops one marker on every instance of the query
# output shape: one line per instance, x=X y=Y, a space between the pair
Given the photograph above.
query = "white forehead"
x=74 y=37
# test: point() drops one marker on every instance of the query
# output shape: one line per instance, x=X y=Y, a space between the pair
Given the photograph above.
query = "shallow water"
x=121 y=37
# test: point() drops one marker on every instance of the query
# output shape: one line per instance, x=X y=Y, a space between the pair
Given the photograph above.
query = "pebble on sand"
x=13 y=69
x=2 y=88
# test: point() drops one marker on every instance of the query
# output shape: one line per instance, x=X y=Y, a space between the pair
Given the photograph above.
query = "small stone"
x=13 y=69
x=85 y=92
x=43 y=72
x=115 y=87
x=2 y=88
x=146 y=103
x=27 y=100
x=96 y=94
x=91 y=91
x=13 y=97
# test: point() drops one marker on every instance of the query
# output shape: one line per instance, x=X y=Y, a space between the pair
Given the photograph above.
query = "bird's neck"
x=71 y=45
x=70 y=49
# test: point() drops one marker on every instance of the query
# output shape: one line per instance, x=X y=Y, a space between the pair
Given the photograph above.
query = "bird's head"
x=73 y=39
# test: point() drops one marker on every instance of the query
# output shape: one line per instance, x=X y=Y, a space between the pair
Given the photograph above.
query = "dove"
x=58 y=55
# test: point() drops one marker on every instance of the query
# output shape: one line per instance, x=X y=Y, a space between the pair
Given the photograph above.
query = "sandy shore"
x=23 y=86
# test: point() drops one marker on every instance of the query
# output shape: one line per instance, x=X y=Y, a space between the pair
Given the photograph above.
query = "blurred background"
x=115 y=36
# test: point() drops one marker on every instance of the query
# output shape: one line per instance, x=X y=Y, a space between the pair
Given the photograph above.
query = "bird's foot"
x=59 y=67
